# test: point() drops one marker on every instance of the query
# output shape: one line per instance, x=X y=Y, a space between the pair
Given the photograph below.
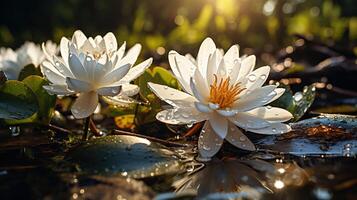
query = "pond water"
x=299 y=165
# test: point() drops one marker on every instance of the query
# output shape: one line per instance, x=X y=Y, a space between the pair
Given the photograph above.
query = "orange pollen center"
x=224 y=94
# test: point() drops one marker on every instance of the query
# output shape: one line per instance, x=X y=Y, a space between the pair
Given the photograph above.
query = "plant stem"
x=86 y=129
x=93 y=128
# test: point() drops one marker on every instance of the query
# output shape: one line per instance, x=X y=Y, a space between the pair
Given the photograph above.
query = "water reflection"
x=253 y=177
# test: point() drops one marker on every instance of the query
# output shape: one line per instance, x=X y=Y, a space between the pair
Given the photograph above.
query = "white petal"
x=273 y=129
x=219 y=124
x=248 y=121
x=129 y=90
x=247 y=66
x=256 y=79
x=61 y=67
x=64 y=49
x=181 y=116
x=52 y=74
x=221 y=71
x=172 y=96
x=111 y=44
x=234 y=72
x=136 y=71
x=211 y=68
x=197 y=93
x=90 y=64
x=85 y=105
x=255 y=98
x=78 y=38
x=78 y=85
x=227 y=112
x=11 y=69
x=58 y=89
x=174 y=67
x=206 y=49
x=209 y=143
x=116 y=75
x=77 y=68
x=279 y=92
x=238 y=139
x=201 y=84
x=119 y=100
x=109 y=91
x=185 y=69
x=131 y=56
x=272 y=114
x=120 y=53
x=203 y=107
x=191 y=58
x=231 y=56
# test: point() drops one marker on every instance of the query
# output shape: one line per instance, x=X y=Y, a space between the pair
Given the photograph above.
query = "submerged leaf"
x=126 y=155
x=330 y=134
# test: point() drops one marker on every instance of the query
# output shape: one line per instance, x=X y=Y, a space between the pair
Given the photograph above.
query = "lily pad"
x=328 y=134
x=17 y=100
x=125 y=155
x=298 y=103
x=29 y=70
x=45 y=101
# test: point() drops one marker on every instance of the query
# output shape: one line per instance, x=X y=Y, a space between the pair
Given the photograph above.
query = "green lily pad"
x=29 y=70
x=17 y=100
x=157 y=75
x=125 y=155
x=297 y=104
x=45 y=101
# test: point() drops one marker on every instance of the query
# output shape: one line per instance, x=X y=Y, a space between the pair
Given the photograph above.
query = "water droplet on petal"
x=252 y=77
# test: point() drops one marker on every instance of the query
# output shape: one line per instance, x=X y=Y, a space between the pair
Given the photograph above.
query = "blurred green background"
x=161 y=25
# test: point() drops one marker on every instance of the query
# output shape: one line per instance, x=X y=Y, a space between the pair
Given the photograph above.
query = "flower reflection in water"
x=253 y=178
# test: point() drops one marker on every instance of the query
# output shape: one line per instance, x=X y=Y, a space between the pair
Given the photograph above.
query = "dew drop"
x=298 y=96
x=252 y=77
x=15 y=130
x=263 y=76
x=241 y=138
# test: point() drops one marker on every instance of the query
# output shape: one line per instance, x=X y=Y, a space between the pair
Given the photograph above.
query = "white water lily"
x=224 y=90
x=93 y=67
x=12 y=62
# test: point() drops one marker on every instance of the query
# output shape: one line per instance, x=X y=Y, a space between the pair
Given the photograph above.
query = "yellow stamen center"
x=224 y=94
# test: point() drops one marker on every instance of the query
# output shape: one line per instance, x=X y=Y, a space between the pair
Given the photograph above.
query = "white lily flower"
x=93 y=70
x=12 y=62
x=225 y=91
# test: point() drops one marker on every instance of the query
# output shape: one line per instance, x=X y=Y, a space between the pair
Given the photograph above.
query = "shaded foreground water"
x=314 y=161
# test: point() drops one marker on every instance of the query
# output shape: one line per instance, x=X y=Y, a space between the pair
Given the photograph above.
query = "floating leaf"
x=29 y=70
x=298 y=103
x=45 y=101
x=126 y=155
x=327 y=134
x=17 y=100
x=125 y=121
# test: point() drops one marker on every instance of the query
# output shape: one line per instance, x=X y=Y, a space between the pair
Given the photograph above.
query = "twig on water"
x=195 y=128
